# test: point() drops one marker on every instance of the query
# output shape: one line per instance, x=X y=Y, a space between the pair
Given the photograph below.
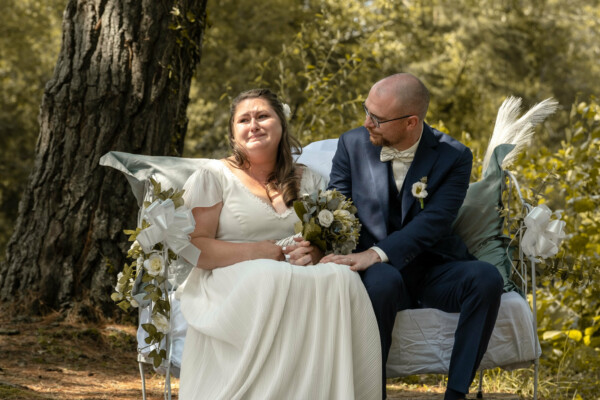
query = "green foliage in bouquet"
x=328 y=220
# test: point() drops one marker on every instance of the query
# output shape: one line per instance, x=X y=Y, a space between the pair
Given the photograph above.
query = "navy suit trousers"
x=471 y=288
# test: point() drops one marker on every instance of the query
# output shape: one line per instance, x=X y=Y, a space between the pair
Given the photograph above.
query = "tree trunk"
x=121 y=83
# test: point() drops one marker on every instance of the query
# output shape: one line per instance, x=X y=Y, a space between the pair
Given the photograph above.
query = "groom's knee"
x=486 y=281
x=386 y=288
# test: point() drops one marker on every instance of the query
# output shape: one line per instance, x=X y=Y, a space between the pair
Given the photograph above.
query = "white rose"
x=154 y=265
x=325 y=218
x=418 y=190
x=120 y=286
x=161 y=323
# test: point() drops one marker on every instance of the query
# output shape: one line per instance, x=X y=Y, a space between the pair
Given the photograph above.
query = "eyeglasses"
x=376 y=121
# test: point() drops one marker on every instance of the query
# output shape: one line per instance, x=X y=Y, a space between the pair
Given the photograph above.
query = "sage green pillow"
x=479 y=222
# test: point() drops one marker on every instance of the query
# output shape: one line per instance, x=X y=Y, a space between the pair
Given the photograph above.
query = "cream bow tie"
x=389 y=153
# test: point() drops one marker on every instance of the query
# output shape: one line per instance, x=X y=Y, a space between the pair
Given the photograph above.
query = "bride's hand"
x=267 y=249
x=303 y=253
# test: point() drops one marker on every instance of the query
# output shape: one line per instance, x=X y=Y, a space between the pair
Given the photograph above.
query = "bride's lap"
x=256 y=324
x=260 y=272
x=257 y=282
x=273 y=270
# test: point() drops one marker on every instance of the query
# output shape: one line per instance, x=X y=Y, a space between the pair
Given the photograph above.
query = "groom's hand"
x=356 y=261
x=302 y=253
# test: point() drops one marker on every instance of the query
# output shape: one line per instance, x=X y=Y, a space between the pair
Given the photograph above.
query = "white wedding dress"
x=265 y=329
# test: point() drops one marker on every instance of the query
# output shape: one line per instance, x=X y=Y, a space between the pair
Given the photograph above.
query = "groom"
x=407 y=255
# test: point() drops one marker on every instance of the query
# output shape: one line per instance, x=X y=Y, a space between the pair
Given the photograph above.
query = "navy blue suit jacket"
x=424 y=235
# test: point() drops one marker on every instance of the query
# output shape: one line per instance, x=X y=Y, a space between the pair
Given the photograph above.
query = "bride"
x=261 y=327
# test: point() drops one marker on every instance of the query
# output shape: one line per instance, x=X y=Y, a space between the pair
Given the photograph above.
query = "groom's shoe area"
x=454 y=395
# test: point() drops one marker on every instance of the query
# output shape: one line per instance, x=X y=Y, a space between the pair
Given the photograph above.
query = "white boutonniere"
x=419 y=190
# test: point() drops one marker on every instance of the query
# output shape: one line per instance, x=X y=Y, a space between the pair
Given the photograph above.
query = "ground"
x=57 y=358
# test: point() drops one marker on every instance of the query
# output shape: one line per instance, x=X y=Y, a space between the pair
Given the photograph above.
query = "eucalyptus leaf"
x=299 y=208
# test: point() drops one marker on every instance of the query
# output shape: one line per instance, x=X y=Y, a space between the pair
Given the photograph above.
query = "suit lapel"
x=425 y=157
x=379 y=177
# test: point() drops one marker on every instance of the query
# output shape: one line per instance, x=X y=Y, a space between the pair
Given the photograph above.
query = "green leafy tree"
x=323 y=56
x=29 y=44
x=240 y=36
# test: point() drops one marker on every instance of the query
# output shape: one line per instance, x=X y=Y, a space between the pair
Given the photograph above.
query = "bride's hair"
x=283 y=178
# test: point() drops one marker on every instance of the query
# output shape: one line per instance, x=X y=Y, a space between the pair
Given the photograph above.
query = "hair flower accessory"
x=286 y=110
x=419 y=190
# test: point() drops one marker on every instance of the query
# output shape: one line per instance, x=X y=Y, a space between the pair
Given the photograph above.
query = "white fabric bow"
x=389 y=153
x=171 y=226
x=543 y=236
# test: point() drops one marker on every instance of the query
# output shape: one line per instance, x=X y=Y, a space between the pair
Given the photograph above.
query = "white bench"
x=422 y=338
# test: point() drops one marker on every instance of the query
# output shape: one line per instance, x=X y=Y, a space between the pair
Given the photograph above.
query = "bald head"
x=410 y=93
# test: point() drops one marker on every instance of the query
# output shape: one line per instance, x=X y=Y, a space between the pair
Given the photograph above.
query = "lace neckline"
x=269 y=207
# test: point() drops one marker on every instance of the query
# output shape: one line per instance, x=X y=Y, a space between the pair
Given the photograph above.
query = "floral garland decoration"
x=162 y=234
x=328 y=220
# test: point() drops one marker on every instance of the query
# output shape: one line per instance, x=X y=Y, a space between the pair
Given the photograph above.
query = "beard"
x=378 y=140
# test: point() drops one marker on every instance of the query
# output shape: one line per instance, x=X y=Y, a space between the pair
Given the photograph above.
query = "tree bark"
x=122 y=83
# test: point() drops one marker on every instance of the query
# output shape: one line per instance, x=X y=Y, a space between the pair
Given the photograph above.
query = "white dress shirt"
x=400 y=165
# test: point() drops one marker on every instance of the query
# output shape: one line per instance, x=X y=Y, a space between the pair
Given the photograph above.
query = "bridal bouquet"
x=328 y=221
x=162 y=234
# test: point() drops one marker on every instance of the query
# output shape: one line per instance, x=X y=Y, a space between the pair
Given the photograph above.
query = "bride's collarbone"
x=261 y=191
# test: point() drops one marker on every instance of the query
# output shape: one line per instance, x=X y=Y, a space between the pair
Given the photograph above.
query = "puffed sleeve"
x=312 y=181
x=202 y=189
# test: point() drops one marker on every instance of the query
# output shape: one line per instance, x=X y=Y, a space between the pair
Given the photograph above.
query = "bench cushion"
x=422 y=339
